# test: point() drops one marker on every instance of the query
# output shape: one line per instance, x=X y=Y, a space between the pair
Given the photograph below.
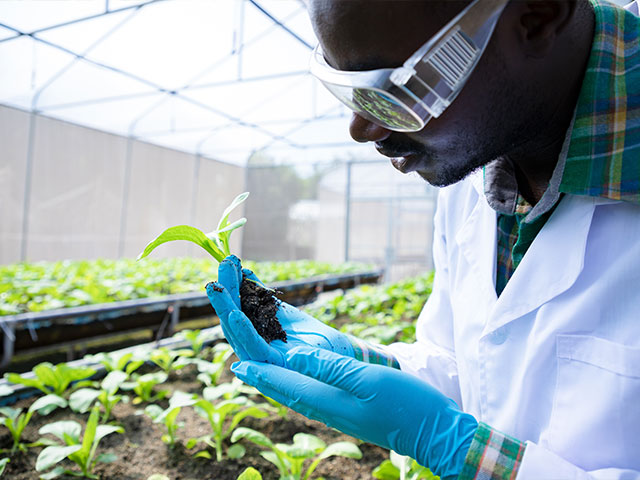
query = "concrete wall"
x=93 y=194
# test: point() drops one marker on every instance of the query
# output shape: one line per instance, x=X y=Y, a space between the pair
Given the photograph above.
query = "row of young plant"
x=372 y=311
x=224 y=405
x=377 y=313
x=33 y=287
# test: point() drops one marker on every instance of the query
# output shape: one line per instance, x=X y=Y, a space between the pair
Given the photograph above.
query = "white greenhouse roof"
x=220 y=78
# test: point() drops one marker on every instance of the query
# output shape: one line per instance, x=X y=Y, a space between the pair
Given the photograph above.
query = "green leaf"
x=107 y=457
x=236 y=451
x=104 y=430
x=386 y=471
x=308 y=442
x=27 y=382
x=342 y=449
x=158 y=476
x=184 y=232
x=250 y=473
x=55 y=473
x=52 y=455
x=47 y=376
x=47 y=404
x=203 y=454
x=81 y=400
x=113 y=380
x=224 y=219
x=89 y=433
x=251 y=435
x=255 y=412
x=3 y=465
x=59 y=429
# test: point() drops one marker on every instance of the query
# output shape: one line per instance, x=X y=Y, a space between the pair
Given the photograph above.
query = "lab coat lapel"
x=477 y=242
x=550 y=266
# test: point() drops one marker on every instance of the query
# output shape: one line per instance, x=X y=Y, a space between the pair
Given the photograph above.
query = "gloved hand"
x=301 y=329
x=380 y=405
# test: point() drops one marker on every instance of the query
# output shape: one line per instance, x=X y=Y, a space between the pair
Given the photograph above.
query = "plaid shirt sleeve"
x=375 y=354
x=492 y=456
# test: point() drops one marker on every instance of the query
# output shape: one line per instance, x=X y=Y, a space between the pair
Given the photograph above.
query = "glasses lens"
x=379 y=107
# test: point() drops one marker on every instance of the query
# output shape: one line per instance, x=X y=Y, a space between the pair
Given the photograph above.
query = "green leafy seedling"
x=196 y=339
x=53 y=379
x=170 y=360
x=400 y=467
x=168 y=417
x=112 y=361
x=210 y=371
x=143 y=386
x=80 y=450
x=16 y=421
x=290 y=458
x=216 y=243
x=106 y=397
x=233 y=405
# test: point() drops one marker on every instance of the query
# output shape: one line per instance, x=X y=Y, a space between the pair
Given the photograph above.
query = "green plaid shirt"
x=602 y=151
x=601 y=158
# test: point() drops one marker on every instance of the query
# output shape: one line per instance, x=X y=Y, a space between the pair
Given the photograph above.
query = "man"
x=527 y=360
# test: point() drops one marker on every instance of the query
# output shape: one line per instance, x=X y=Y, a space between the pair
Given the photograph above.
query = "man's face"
x=480 y=125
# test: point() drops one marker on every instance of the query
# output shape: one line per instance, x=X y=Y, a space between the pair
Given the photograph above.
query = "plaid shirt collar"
x=601 y=155
x=603 y=159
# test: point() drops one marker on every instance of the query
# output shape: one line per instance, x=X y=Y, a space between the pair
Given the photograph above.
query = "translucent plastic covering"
x=222 y=78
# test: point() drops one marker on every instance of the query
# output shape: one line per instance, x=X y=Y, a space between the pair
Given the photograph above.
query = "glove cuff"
x=492 y=455
x=370 y=353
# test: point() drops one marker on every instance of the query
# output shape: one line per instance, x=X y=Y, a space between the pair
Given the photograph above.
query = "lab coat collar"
x=552 y=264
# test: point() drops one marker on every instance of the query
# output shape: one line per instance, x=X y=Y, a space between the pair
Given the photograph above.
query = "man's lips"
x=404 y=161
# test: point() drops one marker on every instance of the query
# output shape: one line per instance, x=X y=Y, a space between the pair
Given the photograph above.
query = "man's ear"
x=541 y=22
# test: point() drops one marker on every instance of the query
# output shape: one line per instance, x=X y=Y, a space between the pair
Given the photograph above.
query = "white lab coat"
x=555 y=360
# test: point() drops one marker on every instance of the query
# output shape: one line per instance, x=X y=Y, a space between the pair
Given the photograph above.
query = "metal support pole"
x=347 y=212
x=8 y=344
x=389 y=250
x=26 y=207
x=194 y=188
x=126 y=181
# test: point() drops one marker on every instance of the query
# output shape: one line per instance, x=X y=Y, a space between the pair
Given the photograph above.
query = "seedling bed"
x=41 y=330
x=141 y=452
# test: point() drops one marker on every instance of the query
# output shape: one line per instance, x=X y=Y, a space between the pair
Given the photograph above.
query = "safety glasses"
x=404 y=99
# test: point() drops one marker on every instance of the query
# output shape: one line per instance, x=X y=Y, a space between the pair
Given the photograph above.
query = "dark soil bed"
x=141 y=452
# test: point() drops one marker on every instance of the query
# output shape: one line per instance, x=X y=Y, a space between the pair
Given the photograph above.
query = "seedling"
x=400 y=467
x=106 y=397
x=3 y=465
x=235 y=406
x=215 y=242
x=16 y=421
x=168 y=417
x=53 y=379
x=143 y=387
x=112 y=361
x=257 y=302
x=170 y=360
x=210 y=371
x=82 y=451
x=196 y=339
x=290 y=458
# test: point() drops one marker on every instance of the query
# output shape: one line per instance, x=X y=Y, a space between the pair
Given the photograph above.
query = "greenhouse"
x=121 y=119
x=206 y=263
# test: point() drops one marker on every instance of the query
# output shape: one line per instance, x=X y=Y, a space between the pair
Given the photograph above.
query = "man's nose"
x=363 y=130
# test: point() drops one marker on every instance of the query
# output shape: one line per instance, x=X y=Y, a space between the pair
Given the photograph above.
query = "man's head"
x=518 y=97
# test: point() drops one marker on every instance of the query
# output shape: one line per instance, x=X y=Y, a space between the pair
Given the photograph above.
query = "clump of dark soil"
x=260 y=306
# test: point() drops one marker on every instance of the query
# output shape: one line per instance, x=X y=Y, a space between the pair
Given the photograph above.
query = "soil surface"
x=141 y=452
x=261 y=306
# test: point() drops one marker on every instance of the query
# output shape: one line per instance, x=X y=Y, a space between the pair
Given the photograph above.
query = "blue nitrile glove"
x=380 y=405
x=301 y=329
